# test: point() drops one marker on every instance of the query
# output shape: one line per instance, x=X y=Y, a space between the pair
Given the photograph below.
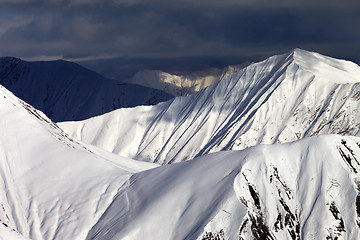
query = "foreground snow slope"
x=66 y=91
x=52 y=187
x=308 y=189
x=281 y=99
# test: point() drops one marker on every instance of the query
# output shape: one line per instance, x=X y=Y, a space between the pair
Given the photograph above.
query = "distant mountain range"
x=282 y=99
x=66 y=91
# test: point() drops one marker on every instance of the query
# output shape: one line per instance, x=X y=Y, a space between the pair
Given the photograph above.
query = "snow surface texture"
x=67 y=91
x=281 y=99
x=51 y=186
x=8 y=234
x=178 y=85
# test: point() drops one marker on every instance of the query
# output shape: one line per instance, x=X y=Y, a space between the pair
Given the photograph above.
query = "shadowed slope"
x=66 y=91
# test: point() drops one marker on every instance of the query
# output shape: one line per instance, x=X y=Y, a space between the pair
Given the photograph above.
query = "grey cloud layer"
x=156 y=29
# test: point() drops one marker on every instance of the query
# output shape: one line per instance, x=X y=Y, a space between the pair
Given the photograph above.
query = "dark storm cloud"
x=91 y=29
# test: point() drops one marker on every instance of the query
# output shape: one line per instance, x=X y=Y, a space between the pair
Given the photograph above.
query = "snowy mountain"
x=66 y=91
x=55 y=187
x=282 y=99
x=178 y=85
x=51 y=186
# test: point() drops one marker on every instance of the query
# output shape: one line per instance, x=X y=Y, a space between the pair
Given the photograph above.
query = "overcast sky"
x=163 y=29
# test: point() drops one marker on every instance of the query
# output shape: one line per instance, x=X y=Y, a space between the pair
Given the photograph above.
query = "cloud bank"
x=154 y=29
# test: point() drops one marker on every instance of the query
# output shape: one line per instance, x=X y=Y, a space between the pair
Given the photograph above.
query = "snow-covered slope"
x=281 y=99
x=178 y=85
x=308 y=189
x=66 y=91
x=51 y=186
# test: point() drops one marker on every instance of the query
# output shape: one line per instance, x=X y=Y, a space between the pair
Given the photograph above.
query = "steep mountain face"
x=51 y=186
x=281 y=99
x=67 y=91
x=178 y=85
x=308 y=189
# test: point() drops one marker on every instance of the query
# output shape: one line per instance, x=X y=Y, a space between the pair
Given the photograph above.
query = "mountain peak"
x=9 y=58
x=6 y=62
x=326 y=68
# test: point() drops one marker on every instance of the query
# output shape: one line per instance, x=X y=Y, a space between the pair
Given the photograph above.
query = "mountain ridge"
x=272 y=101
